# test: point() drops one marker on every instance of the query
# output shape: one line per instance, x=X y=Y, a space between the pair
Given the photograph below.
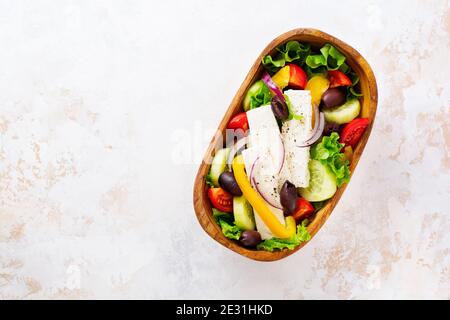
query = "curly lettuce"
x=310 y=72
x=226 y=223
x=272 y=244
x=230 y=230
x=328 y=152
x=273 y=64
x=327 y=148
x=209 y=180
x=292 y=51
x=351 y=92
x=329 y=57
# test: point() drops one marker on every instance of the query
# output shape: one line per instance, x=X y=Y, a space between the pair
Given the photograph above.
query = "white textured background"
x=102 y=103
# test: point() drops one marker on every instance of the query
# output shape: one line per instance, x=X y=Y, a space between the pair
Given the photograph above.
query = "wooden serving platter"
x=368 y=87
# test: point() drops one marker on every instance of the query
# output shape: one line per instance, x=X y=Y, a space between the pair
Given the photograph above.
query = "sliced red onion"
x=258 y=189
x=319 y=126
x=272 y=86
x=252 y=170
x=316 y=119
x=235 y=149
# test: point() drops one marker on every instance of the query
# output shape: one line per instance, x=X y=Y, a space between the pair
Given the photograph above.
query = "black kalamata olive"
x=331 y=127
x=250 y=238
x=228 y=182
x=279 y=108
x=288 y=198
x=333 y=97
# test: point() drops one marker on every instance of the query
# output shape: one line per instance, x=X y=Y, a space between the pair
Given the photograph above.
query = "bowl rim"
x=368 y=85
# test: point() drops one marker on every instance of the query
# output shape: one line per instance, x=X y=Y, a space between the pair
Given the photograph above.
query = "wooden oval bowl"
x=368 y=87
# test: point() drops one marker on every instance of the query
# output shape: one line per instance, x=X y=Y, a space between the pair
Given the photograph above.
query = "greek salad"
x=301 y=123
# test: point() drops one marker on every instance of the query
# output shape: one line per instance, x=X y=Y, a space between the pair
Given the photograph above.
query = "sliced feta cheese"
x=285 y=174
x=301 y=104
x=265 y=135
x=293 y=133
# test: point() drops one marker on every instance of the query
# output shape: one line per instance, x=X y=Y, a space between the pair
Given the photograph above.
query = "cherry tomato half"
x=239 y=121
x=297 y=77
x=221 y=199
x=338 y=79
x=353 y=131
x=304 y=210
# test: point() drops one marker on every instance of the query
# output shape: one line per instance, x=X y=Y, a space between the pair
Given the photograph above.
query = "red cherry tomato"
x=353 y=131
x=304 y=209
x=338 y=78
x=239 y=121
x=221 y=199
x=297 y=77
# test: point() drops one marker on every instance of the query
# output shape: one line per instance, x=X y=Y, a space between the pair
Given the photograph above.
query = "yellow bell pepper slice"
x=260 y=206
x=281 y=78
x=317 y=85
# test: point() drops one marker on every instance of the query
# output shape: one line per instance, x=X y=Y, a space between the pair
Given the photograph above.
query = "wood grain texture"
x=369 y=100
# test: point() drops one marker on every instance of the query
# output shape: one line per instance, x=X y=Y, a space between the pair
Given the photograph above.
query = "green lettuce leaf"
x=209 y=181
x=302 y=235
x=226 y=223
x=310 y=72
x=315 y=61
x=273 y=64
x=351 y=92
x=217 y=214
x=230 y=230
x=327 y=148
x=292 y=51
x=345 y=68
x=329 y=57
x=340 y=169
x=335 y=59
x=328 y=152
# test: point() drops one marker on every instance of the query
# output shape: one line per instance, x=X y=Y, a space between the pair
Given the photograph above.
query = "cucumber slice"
x=255 y=89
x=345 y=113
x=243 y=214
x=322 y=183
x=218 y=165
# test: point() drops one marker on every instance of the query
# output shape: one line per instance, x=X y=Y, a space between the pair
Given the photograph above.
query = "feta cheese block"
x=250 y=155
x=293 y=133
x=265 y=135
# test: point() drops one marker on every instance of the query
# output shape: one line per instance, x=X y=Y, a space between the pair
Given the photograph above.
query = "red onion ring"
x=319 y=126
x=252 y=169
x=272 y=86
x=255 y=185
